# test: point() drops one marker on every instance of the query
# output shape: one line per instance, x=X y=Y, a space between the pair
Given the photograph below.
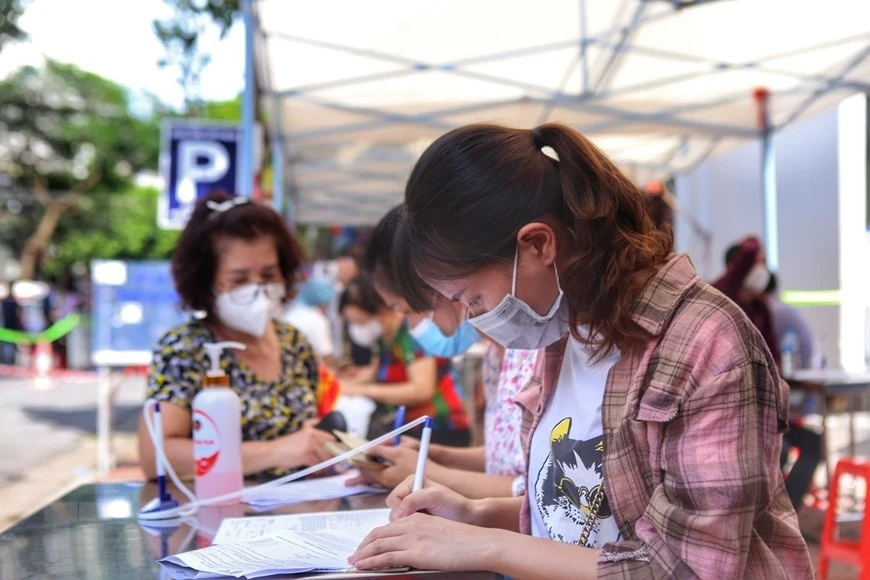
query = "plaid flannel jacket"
x=692 y=436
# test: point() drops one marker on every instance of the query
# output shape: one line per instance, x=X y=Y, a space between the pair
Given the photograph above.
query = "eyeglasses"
x=245 y=295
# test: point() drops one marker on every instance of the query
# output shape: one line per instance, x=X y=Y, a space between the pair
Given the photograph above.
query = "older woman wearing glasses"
x=233 y=266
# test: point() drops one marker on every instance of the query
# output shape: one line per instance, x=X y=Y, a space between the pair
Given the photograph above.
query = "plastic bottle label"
x=206 y=443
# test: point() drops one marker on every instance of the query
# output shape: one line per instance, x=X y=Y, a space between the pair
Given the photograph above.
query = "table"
x=830 y=383
x=92 y=533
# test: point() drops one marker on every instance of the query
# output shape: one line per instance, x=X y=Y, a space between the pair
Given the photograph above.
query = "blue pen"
x=400 y=421
x=158 y=444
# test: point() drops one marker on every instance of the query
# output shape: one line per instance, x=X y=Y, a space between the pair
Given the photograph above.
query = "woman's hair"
x=195 y=259
x=474 y=188
x=382 y=262
x=360 y=292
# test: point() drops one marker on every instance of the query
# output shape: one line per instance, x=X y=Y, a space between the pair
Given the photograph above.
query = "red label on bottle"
x=206 y=443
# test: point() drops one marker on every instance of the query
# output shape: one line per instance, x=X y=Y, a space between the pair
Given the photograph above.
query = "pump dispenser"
x=217 y=430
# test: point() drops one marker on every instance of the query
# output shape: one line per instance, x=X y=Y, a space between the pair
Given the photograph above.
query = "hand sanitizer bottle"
x=217 y=431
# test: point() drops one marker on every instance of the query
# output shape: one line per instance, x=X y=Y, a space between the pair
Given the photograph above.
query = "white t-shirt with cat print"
x=565 y=458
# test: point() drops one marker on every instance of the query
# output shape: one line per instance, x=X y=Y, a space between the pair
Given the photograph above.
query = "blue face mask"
x=434 y=343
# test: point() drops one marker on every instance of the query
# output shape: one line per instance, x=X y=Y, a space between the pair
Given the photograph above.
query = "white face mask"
x=365 y=335
x=250 y=308
x=757 y=279
x=515 y=325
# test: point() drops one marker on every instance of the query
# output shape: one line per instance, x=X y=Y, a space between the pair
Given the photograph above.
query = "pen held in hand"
x=422 y=456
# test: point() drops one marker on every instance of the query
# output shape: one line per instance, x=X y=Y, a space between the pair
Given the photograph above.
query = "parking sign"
x=197 y=157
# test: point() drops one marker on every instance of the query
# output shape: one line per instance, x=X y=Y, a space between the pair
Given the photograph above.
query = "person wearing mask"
x=403 y=374
x=308 y=315
x=653 y=425
x=441 y=329
x=234 y=263
x=744 y=281
x=788 y=321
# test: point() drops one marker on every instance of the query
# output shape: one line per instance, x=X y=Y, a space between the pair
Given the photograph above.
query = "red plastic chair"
x=852 y=552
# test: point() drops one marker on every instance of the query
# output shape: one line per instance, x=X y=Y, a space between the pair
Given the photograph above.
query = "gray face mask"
x=515 y=325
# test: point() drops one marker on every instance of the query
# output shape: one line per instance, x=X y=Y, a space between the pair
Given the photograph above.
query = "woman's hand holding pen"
x=434 y=499
x=441 y=541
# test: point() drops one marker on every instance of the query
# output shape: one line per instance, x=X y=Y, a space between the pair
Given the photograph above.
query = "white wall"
x=724 y=193
x=808 y=213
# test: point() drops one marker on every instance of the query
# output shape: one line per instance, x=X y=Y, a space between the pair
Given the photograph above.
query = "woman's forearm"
x=408 y=394
x=498 y=512
x=465 y=458
x=257 y=456
x=526 y=558
x=473 y=485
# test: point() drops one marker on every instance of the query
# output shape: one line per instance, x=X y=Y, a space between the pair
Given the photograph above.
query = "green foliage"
x=10 y=10
x=62 y=125
x=120 y=226
x=181 y=36
x=223 y=110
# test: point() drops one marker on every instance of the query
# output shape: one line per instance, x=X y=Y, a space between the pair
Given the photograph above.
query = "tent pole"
x=246 y=159
x=768 y=179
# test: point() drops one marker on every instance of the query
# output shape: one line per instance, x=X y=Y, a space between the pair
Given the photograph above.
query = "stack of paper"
x=259 y=547
x=262 y=499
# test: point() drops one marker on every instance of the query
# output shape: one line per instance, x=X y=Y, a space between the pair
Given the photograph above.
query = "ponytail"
x=474 y=188
x=614 y=237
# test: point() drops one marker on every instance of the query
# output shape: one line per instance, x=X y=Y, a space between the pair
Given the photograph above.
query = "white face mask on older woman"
x=250 y=308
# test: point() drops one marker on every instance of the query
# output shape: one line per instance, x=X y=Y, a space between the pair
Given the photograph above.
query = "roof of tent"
x=360 y=88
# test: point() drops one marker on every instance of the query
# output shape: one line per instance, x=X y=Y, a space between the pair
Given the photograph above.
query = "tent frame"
x=595 y=87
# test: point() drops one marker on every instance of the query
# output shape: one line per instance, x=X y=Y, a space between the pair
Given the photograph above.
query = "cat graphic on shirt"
x=561 y=492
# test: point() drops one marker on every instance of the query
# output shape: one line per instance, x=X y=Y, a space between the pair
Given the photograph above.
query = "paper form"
x=241 y=529
x=319 y=542
x=307 y=490
x=283 y=553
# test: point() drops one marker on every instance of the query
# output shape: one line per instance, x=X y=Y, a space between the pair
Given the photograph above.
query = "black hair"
x=731 y=254
x=772 y=284
x=475 y=187
x=360 y=292
x=195 y=258
x=381 y=261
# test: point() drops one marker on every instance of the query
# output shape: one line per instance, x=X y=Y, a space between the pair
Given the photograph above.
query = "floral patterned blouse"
x=269 y=409
x=503 y=449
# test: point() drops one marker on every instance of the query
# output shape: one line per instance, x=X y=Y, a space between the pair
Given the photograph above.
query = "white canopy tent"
x=355 y=90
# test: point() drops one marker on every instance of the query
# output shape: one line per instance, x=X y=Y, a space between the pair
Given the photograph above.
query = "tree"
x=121 y=225
x=181 y=37
x=66 y=134
x=10 y=10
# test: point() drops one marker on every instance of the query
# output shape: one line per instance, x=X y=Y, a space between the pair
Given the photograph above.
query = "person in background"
x=235 y=262
x=308 y=315
x=745 y=280
x=403 y=373
x=12 y=320
x=788 y=320
x=345 y=268
x=441 y=329
x=790 y=325
x=653 y=424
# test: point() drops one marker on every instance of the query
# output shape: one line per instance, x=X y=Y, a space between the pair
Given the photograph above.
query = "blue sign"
x=197 y=158
x=133 y=305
